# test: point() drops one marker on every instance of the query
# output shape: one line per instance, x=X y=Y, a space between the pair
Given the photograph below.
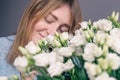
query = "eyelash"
x=60 y=29
x=48 y=21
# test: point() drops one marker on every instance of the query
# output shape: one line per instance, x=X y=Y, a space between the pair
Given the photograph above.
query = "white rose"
x=53 y=58
x=64 y=36
x=79 y=32
x=55 y=69
x=100 y=37
x=68 y=65
x=114 y=43
x=110 y=41
x=103 y=24
x=78 y=40
x=45 y=59
x=21 y=63
x=104 y=76
x=59 y=58
x=70 y=36
x=114 y=59
x=65 y=51
x=84 y=25
x=32 y=48
x=93 y=49
x=114 y=40
x=115 y=32
x=41 y=59
x=50 y=38
x=88 y=57
x=91 y=70
x=98 y=71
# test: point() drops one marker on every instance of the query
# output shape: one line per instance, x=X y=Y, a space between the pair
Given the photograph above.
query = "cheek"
x=41 y=26
x=38 y=26
x=35 y=38
x=35 y=35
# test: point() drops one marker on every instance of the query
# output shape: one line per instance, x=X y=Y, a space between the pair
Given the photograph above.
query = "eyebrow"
x=53 y=16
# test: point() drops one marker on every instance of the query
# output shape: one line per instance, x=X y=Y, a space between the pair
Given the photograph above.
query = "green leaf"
x=41 y=78
x=76 y=61
x=116 y=74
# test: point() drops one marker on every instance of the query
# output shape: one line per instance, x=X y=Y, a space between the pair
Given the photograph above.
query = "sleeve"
x=5 y=68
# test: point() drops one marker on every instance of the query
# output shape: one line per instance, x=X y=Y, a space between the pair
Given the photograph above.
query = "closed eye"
x=63 y=28
x=50 y=18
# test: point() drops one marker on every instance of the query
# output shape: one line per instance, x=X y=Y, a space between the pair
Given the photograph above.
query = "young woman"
x=44 y=17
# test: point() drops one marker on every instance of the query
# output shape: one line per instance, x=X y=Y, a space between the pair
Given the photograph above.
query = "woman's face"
x=58 y=20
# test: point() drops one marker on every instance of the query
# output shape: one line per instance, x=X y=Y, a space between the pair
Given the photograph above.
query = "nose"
x=53 y=29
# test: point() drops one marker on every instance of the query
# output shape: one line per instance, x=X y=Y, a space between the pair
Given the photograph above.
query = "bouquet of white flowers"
x=92 y=53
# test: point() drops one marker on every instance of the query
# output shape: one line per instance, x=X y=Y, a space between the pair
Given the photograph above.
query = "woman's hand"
x=30 y=77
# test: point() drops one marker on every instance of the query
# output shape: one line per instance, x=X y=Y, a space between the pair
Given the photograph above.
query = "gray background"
x=11 y=12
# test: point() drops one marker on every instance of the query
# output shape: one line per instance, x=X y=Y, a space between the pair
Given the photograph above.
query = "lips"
x=41 y=35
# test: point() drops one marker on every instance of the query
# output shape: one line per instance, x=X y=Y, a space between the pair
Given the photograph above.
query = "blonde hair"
x=40 y=8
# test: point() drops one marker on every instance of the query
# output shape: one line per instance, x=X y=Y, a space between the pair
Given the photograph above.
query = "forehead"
x=63 y=13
